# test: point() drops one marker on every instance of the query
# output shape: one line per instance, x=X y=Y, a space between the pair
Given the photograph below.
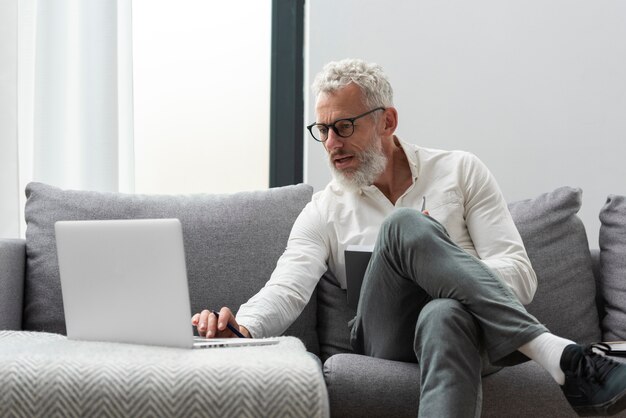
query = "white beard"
x=373 y=162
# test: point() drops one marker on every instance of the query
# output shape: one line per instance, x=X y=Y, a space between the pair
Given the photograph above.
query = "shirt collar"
x=410 y=151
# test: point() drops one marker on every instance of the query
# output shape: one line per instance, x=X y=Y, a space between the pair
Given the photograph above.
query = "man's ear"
x=390 y=121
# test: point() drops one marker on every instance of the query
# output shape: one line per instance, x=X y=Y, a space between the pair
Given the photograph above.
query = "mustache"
x=339 y=153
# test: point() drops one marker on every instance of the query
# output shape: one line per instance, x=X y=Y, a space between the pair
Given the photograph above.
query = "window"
x=201 y=82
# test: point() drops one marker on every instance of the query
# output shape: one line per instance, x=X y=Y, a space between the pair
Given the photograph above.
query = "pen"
x=424 y=204
x=230 y=327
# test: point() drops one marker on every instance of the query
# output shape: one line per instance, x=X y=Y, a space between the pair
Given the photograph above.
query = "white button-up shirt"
x=460 y=193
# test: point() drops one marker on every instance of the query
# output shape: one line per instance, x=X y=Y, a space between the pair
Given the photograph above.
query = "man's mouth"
x=342 y=161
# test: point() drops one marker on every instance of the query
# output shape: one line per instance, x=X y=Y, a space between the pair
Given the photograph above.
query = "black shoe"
x=594 y=384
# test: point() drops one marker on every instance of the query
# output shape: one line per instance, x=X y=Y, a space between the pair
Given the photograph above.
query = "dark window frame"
x=287 y=93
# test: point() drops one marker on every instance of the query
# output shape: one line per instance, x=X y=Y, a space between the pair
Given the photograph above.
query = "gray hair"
x=370 y=78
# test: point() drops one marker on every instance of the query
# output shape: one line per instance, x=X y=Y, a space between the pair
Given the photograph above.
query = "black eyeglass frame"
x=334 y=128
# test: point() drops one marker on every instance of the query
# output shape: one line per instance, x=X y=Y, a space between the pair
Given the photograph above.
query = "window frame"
x=286 y=93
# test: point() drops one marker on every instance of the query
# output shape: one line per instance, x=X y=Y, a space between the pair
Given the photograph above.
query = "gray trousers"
x=425 y=299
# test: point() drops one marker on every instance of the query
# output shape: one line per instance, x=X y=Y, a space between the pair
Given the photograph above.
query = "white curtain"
x=9 y=206
x=75 y=95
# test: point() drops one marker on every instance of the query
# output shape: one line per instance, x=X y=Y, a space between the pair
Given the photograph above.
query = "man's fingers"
x=214 y=324
x=226 y=316
x=211 y=325
x=203 y=321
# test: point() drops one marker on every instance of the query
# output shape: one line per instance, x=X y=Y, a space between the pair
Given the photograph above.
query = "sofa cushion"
x=232 y=243
x=556 y=242
x=12 y=264
x=333 y=317
x=613 y=267
x=361 y=386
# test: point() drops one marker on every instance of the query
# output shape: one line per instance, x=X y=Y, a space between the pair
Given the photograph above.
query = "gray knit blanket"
x=46 y=375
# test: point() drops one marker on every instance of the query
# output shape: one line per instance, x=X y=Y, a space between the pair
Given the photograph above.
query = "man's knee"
x=443 y=320
x=444 y=311
x=407 y=224
x=401 y=217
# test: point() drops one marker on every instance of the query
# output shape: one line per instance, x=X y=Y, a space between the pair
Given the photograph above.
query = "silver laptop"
x=126 y=281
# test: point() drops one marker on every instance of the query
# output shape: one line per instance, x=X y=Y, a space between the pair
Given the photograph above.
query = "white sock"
x=547 y=350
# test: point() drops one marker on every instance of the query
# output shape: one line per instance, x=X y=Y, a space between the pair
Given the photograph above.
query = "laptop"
x=357 y=258
x=126 y=281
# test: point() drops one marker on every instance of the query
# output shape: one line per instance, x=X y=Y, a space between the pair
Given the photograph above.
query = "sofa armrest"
x=12 y=268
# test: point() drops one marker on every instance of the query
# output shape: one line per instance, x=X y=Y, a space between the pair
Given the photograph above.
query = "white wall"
x=537 y=89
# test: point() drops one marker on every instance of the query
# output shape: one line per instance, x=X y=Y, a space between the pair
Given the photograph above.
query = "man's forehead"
x=339 y=103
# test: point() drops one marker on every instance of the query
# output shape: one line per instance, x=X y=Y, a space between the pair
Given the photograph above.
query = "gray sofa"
x=232 y=243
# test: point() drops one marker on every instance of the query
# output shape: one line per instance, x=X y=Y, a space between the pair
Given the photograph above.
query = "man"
x=453 y=276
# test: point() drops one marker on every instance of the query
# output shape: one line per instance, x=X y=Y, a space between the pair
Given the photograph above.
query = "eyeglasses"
x=342 y=127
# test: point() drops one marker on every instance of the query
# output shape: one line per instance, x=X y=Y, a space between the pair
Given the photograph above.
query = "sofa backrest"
x=232 y=243
x=612 y=267
x=556 y=243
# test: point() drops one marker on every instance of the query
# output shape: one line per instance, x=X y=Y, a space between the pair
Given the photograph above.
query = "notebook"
x=126 y=281
x=357 y=258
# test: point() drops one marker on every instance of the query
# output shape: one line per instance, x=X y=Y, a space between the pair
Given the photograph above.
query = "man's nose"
x=333 y=141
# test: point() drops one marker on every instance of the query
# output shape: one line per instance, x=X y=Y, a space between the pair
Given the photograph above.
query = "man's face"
x=358 y=160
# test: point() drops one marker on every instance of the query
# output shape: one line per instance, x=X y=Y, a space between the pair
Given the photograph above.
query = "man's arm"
x=495 y=236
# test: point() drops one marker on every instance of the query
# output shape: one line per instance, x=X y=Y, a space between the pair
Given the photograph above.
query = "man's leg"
x=448 y=350
x=415 y=261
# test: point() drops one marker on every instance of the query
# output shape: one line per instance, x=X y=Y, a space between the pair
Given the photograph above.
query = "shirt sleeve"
x=279 y=303
x=495 y=236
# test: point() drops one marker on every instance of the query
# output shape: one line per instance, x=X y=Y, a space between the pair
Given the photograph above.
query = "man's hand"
x=424 y=210
x=210 y=326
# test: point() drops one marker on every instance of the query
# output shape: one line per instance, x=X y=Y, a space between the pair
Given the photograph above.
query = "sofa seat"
x=45 y=374
x=391 y=389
